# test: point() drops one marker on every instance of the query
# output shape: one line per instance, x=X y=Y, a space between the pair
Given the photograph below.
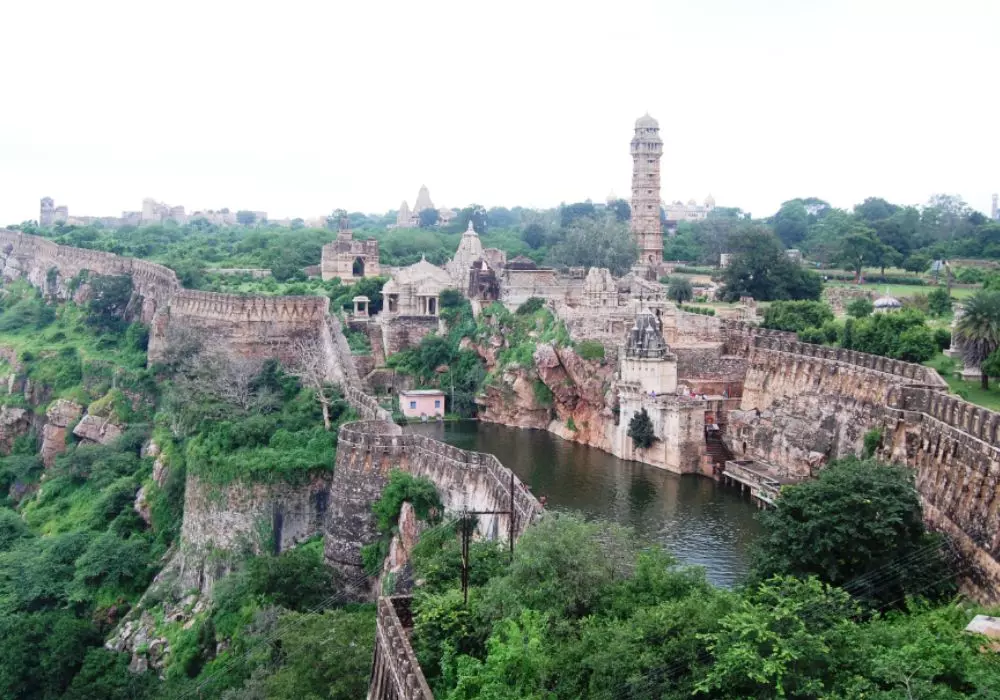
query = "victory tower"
x=647 y=148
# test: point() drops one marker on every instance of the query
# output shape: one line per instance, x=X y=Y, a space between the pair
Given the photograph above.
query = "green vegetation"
x=420 y=493
x=979 y=329
x=76 y=554
x=760 y=269
x=640 y=429
x=679 y=289
x=590 y=350
x=585 y=611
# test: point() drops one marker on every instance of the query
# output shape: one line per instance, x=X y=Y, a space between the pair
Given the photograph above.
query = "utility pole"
x=466 y=532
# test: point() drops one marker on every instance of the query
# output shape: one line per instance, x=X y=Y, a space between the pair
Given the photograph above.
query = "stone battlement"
x=255 y=308
x=396 y=674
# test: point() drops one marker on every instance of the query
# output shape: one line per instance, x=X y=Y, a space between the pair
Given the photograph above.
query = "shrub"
x=812 y=335
x=680 y=289
x=530 y=306
x=796 y=316
x=942 y=339
x=872 y=441
x=590 y=350
x=939 y=302
x=859 y=308
x=640 y=429
x=543 y=394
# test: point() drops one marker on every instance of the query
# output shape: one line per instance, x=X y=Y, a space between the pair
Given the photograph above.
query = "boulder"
x=97 y=429
x=14 y=422
x=142 y=507
x=59 y=415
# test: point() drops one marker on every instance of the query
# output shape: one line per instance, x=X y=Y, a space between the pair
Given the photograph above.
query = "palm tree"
x=978 y=330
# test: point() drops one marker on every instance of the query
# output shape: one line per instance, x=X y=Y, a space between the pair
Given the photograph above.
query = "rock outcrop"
x=14 y=422
x=61 y=414
x=560 y=392
x=99 y=430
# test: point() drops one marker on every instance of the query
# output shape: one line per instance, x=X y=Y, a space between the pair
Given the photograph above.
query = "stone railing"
x=396 y=675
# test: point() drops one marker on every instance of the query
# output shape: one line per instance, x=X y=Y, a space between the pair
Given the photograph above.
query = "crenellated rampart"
x=803 y=404
x=34 y=258
x=368 y=450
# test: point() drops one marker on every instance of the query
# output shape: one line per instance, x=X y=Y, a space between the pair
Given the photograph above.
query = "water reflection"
x=700 y=521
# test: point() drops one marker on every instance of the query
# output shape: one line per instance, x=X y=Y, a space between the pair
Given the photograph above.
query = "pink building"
x=421 y=402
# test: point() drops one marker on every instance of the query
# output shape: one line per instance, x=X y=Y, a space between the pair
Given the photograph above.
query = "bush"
x=543 y=394
x=872 y=441
x=590 y=350
x=680 y=290
x=797 y=316
x=939 y=302
x=812 y=335
x=942 y=339
x=860 y=308
x=530 y=306
x=640 y=429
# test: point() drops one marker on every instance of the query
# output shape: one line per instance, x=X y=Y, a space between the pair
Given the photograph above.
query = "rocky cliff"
x=559 y=392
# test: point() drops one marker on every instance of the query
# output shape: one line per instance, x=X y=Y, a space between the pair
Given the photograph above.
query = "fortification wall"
x=32 y=258
x=224 y=523
x=396 y=674
x=402 y=332
x=252 y=326
x=369 y=450
x=804 y=404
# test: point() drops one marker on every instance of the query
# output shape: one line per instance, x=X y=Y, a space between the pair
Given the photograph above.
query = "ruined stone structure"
x=152 y=212
x=647 y=149
x=349 y=259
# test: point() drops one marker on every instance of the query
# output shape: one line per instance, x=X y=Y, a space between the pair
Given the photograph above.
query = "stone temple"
x=647 y=149
x=347 y=258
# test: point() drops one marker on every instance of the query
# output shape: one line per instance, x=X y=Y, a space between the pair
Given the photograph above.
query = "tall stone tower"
x=46 y=213
x=647 y=149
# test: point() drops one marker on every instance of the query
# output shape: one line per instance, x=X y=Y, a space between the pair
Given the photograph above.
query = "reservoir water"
x=700 y=521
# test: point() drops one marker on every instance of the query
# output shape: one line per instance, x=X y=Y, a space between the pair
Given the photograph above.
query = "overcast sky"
x=297 y=108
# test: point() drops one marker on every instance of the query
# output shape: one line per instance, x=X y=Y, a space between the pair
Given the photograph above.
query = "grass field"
x=970 y=391
x=905 y=290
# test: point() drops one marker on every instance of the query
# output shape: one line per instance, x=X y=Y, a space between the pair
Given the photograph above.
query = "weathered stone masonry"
x=818 y=401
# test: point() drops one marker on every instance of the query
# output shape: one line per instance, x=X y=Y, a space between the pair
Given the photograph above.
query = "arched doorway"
x=358 y=269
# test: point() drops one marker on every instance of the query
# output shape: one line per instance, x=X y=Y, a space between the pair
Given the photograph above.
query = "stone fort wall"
x=32 y=258
x=251 y=326
x=803 y=404
x=368 y=450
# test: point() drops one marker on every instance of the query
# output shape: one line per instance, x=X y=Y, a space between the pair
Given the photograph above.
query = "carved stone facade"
x=647 y=149
x=349 y=259
x=414 y=290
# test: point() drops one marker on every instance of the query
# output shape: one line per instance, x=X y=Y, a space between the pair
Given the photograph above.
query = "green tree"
x=534 y=235
x=640 y=429
x=857 y=525
x=939 y=302
x=569 y=214
x=796 y=316
x=680 y=289
x=860 y=308
x=592 y=243
x=759 y=268
x=428 y=218
x=246 y=218
x=786 y=639
x=621 y=209
x=990 y=366
x=917 y=262
x=859 y=248
x=791 y=222
x=109 y=299
x=875 y=209
x=978 y=329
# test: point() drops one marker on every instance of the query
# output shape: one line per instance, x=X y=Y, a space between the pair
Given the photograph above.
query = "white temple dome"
x=646 y=122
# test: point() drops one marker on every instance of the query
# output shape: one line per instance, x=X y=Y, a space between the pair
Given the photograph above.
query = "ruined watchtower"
x=347 y=258
x=647 y=149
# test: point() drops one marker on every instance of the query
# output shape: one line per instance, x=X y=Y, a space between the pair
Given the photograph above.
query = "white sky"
x=297 y=108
